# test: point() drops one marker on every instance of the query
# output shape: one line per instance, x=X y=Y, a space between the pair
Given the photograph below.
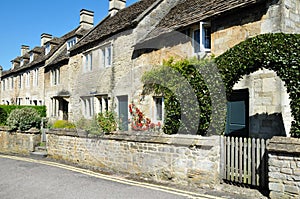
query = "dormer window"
x=47 y=48
x=202 y=38
x=31 y=57
x=22 y=62
x=71 y=42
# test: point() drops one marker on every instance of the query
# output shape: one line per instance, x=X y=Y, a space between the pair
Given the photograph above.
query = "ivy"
x=278 y=52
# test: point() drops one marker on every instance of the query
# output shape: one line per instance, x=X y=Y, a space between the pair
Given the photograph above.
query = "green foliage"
x=107 y=121
x=63 y=124
x=180 y=82
x=89 y=125
x=5 y=110
x=23 y=119
x=278 y=52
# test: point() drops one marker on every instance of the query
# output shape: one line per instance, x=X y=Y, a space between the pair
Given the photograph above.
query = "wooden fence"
x=245 y=161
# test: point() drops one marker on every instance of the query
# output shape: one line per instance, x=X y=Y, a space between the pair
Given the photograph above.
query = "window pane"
x=158 y=107
x=206 y=37
x=196 y=41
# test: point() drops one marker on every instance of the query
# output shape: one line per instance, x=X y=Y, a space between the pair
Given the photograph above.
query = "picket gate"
x=244 y=161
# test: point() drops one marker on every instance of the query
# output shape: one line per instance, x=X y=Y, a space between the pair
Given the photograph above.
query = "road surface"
x=30 y=178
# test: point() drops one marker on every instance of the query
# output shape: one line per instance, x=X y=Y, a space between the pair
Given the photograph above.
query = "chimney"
x=44 y=38
x=24 y=50
x=115 y=6
x=86 y=19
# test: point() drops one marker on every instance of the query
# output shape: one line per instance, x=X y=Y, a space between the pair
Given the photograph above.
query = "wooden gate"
x=245 y=161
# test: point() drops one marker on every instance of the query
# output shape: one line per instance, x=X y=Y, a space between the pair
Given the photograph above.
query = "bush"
x=107 y=121
x=5 y=110
x=89 y=125
x=63 y=124
x=23 y=119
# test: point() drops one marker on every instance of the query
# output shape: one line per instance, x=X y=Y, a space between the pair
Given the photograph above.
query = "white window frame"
x=203 y=25
x=88 y=62
x=71 y=42
x=27 y=79
x=155 y=116
x=47 y=48
x=107 y=54
x=55 y=76
x=35 y=81
x=3 y=84
x=31 y=58
x=88 y=107
x=22 y=62
x=21 y=81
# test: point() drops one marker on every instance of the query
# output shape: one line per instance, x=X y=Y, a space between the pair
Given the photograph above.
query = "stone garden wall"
x=18 y=142
x=284 y=167
x=184 y=160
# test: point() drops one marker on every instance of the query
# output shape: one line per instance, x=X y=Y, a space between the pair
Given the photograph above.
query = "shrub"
x=107 y=121
x=63 y=124
x=91 y=126
x=23 y=119
x=5 y=110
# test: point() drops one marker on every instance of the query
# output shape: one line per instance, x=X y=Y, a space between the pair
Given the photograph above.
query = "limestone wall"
x=269 y=110
x=284 y=167
x=19 y=143
x=184 y=160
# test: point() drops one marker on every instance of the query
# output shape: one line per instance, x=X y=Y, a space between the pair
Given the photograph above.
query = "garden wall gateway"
x=185 y=160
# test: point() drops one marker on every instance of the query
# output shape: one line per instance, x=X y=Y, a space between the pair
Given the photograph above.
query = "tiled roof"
x=123 y=20
x=41 y=57
x=188 y=12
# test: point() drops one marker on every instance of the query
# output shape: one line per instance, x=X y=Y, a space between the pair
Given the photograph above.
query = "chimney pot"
x=115 y=6
x=44 y=38
x=24 y=50
x=86 y=19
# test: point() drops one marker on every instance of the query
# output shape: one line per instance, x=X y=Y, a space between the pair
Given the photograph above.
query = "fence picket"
x=249 y=161
x=245 y=161
x=240 y=160
x=232 y=160
x=236 y=160
x=257 y=160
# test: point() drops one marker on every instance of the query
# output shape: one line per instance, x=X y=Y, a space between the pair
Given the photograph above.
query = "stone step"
x=40 y=148
x=40 y=154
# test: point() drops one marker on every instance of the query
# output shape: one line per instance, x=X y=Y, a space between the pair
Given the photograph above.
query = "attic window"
x=47 y=48
x=202 y=38
x=71 y=42
x=22 y=62
x=31 y=57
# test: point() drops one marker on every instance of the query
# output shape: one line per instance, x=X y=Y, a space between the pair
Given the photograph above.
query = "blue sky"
x=23 y=21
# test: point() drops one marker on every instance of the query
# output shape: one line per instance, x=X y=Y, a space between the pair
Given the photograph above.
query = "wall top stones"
x=202 y=142
x=284 y=145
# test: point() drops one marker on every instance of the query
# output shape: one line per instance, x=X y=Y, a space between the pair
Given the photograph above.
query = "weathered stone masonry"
x=188 y=160
x=284 y=167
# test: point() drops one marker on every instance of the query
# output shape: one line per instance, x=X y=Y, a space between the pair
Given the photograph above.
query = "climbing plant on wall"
x=279 y=52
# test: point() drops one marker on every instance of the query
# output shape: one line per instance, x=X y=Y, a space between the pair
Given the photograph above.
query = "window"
x=88 y=107
x=31 y=57
x=202 y=38
x=106 y=56
x=27 y=79
x=102 y=103
x=12 y=83
x=71 y=42
x=22 y=62
x=47 y=48
x=3 y=85
x=21 y=81
x=88 y=60
x=158 y=108
x=35 y=77
x=55 y=76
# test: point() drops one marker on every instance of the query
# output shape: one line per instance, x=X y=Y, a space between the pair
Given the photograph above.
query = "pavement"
x=24 y=177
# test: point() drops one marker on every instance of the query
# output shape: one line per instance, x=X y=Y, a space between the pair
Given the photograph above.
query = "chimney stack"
x=44 y=38
x=24 y=50
x=115 y=6
x=86 y=19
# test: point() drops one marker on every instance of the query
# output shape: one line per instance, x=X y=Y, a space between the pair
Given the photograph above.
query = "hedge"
x=5 y=110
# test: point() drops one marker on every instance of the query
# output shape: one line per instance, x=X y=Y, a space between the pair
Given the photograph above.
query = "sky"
x=23 y=21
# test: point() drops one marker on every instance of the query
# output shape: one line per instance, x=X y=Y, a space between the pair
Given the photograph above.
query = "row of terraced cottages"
x=94 y=68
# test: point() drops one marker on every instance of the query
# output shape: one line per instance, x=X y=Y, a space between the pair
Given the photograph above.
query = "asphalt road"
x=26 y=178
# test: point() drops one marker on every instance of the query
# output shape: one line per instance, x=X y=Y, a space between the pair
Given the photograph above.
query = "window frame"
x=88 y=62
x=71 y=42
x=159 y=118
x=199 y=38
x=55 y=76
x=47 y=48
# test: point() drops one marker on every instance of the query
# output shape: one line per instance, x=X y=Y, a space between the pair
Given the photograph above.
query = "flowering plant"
x=138 y=120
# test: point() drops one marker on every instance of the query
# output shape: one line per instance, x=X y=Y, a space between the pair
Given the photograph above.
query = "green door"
x=123 y=112
x=237 y=121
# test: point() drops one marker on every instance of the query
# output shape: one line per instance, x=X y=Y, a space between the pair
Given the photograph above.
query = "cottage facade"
x=99 y=70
